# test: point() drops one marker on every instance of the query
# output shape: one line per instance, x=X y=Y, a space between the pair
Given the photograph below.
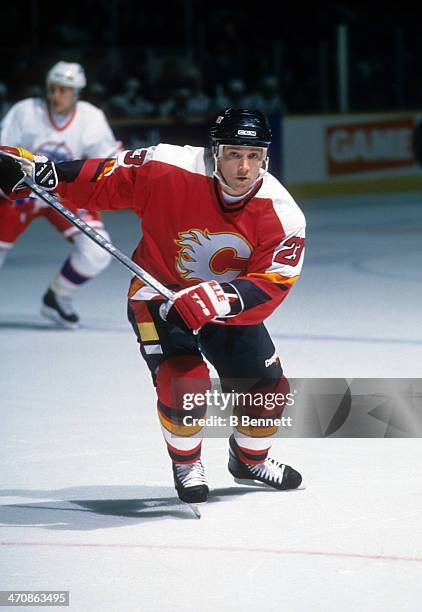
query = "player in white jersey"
x=60 y=127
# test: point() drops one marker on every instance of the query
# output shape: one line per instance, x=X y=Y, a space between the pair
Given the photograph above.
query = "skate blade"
x=195 y=508
x=52 y=315
x=249 y=482
x=256 y=483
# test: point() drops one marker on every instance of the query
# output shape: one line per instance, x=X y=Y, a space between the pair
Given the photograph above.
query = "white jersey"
x=85 y=133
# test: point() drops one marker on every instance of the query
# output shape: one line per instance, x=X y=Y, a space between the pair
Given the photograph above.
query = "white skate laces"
x=270 y=471
x=66 y=304
x=190 y=474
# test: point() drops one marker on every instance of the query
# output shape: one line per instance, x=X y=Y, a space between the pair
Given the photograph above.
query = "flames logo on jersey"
x=205 y=255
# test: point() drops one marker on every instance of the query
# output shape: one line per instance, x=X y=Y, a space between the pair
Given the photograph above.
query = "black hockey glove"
x=11 y=174
x=16 y=163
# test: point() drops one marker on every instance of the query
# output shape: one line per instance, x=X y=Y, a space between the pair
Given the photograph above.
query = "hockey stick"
x=142 y=274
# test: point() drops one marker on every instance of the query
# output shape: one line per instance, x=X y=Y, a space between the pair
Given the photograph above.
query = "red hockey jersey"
x=190 y=233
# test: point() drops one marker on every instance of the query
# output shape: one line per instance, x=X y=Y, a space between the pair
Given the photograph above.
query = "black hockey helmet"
x=242 y=127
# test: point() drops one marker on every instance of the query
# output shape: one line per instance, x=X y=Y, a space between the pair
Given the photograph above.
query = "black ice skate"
x=191 y=484
x=271 y=472
x=59 y=309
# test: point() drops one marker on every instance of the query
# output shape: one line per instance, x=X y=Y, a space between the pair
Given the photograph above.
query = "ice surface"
x=87 y=501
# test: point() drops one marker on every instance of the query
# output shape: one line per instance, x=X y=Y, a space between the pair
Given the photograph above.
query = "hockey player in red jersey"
x=60 y=127
x=228 y=239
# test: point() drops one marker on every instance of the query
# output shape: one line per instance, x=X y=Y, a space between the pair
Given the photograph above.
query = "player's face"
x=61 y=99
x=240 y=166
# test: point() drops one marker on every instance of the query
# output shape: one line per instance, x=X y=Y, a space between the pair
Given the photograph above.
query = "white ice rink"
x=87 y=500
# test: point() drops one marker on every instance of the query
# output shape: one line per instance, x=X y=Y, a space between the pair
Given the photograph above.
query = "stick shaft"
x=98 y=238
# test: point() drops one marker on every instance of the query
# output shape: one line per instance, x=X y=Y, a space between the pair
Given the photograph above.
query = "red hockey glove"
x=199 y=305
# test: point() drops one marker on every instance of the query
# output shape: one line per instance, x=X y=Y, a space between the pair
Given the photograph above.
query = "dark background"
x=158 y=43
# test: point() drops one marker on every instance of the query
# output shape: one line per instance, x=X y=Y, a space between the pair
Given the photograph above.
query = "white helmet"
x=68 y=74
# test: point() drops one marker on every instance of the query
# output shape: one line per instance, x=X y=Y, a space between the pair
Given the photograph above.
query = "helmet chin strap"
x=262 y=171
